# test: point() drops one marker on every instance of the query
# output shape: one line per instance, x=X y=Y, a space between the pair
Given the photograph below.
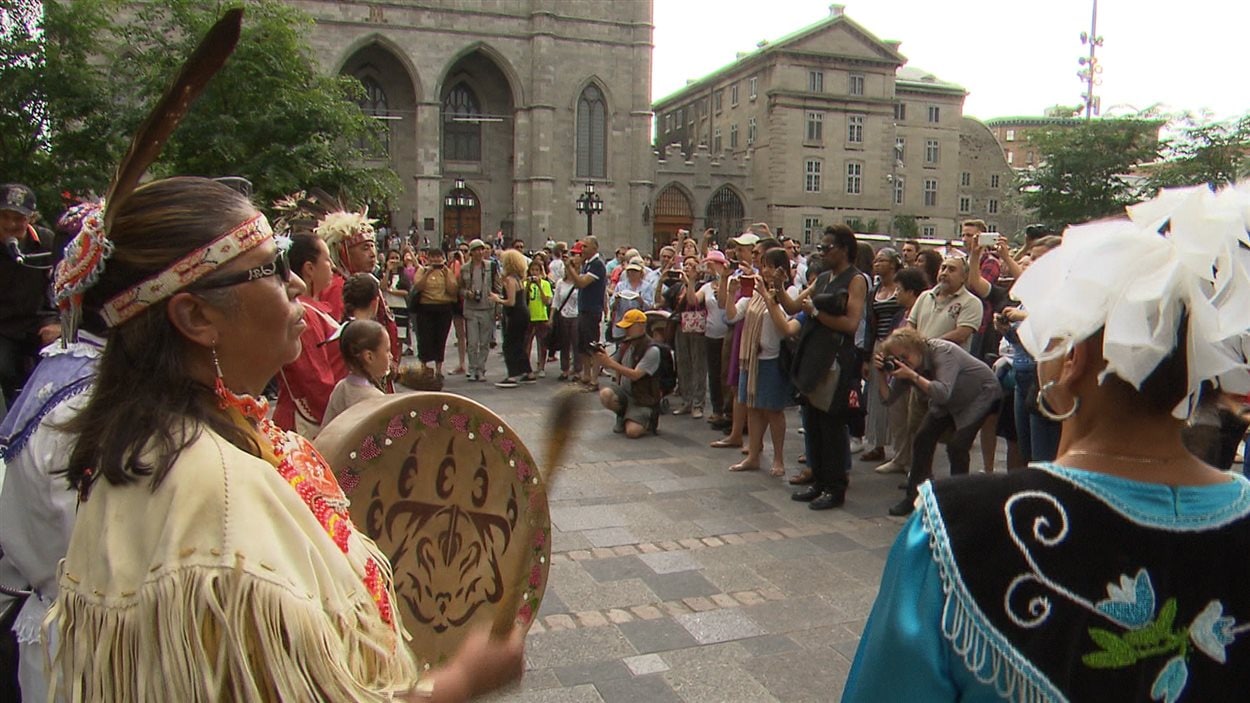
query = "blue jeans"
x=1037 y=437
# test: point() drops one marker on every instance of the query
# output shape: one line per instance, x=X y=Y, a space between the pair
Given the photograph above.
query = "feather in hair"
x=199 y=69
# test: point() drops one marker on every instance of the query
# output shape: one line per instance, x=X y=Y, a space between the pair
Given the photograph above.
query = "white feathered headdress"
x=1183 y=252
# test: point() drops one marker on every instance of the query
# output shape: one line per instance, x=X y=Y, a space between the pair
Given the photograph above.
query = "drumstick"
x=561 y=423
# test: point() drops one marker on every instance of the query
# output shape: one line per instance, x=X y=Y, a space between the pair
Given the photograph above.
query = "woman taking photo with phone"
x=763 y=386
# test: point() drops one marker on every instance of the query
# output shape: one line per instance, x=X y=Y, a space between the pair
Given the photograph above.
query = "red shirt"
x=305 y=385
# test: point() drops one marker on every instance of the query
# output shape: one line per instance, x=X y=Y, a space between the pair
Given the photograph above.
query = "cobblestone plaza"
x=673 y=579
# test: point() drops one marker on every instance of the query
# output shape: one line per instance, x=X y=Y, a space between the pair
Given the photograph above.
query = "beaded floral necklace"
x=308 y=473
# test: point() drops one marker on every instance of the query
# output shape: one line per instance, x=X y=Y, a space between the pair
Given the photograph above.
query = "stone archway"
x=477 y=139
x=726 y=214
x=673 y=211
x=390 y=97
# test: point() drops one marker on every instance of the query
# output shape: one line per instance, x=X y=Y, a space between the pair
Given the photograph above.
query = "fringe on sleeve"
x=201 y=633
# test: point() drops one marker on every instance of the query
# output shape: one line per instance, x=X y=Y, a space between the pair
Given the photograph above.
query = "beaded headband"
x=187 y=270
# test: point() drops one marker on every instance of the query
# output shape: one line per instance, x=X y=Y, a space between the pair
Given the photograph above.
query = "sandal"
x=875 y=454
x=803 y=478
x=742 y=467
x=724 y=444
x=776 y=472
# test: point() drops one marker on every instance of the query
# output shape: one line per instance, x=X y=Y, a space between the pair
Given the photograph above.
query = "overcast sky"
x=1013 y=57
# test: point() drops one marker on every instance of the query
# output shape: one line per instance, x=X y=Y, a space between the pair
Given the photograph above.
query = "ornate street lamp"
x=590 y=204
x=459 y=199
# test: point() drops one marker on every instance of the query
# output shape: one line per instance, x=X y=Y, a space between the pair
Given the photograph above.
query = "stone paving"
x=673 y=579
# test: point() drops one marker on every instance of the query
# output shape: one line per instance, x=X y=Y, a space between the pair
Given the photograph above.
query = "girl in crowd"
x=396 y=283
x=714 y=334
x=360 y=293
x=366 y=349
x=516 y=320
x=690 y=345
x=538 y=292
x=763 y=387
x=435 y=290
x=458 y=258
x=565 y=304
x=883 y=311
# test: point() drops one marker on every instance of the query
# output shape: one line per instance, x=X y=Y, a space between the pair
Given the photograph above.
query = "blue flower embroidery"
x=1171 y=681
x=1131 y=603
x=1212 y=631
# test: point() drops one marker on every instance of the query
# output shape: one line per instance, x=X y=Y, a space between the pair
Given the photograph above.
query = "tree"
x=59 y=126
x=905 y=227
x=1083 y=174
x=1203 y=151
x=270 y=115
x=93 y=68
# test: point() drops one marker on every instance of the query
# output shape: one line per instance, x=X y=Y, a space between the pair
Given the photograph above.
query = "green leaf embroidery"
x=1155 y=632
x=1106 y=660
x=1116 y=652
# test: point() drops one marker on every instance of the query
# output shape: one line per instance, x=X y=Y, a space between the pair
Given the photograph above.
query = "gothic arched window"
x=374 y=105
x=462 y=132
x=592 y=133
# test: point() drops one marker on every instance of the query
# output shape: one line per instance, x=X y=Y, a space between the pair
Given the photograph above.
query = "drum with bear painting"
x=454 y=499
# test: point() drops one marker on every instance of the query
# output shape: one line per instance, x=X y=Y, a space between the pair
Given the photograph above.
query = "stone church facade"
x=526 y=100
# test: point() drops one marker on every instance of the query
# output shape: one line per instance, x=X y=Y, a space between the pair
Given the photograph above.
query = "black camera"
x=474 y=295
x=889 y=364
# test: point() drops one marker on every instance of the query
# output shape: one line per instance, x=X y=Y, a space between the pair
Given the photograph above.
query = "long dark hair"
x=145 y=408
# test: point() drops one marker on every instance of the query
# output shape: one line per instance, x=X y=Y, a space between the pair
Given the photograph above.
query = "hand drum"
x=454 y=499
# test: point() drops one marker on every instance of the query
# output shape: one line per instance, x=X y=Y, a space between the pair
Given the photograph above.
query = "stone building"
x=1012 y=135
x=987 y=185
x=526 y=100
x=705 y=190
x=835 y=129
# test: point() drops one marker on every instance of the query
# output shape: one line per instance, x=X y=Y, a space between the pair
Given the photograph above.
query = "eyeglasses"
x=279 y=267
x=822 y=248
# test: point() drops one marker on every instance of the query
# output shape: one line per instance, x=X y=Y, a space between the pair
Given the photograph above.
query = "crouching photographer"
x=635 y=397
x=962 y=391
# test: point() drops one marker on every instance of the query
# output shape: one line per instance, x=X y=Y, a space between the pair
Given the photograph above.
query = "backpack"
x=666 y=375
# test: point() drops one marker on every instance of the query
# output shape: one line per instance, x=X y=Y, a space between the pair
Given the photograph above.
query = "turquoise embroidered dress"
x=939 y=632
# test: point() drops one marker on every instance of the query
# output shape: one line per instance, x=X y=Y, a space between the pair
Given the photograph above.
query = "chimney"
x=836 y=10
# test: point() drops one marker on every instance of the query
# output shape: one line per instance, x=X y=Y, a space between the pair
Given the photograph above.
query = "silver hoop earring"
x=1043 y=406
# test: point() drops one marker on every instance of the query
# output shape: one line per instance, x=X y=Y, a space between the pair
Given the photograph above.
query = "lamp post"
x=590 y=204
x=459 y=199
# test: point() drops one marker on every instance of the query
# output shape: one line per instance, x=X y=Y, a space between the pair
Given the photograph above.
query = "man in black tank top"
x=834 y=306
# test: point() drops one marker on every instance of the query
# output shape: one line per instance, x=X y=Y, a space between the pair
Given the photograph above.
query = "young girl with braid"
x=366 y=349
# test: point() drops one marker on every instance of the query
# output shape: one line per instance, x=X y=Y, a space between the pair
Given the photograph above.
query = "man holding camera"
x=478 y=278
x=635 y=397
